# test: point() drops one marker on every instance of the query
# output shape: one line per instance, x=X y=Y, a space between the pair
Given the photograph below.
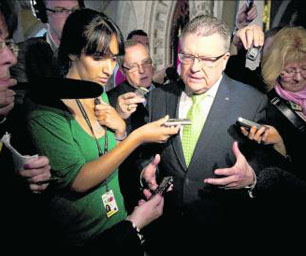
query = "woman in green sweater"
x=84 y=139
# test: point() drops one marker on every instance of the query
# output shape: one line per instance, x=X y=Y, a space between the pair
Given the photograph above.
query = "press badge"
x=109 y=203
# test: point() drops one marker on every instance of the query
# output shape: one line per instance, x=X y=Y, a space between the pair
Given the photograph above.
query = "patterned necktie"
x=192 y=132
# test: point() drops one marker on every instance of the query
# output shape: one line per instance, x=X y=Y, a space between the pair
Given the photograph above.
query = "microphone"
x=51 y=89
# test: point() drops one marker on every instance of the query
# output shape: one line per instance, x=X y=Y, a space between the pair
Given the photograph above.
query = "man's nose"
x=140 y=69
x=8 y=57
x=196 y=65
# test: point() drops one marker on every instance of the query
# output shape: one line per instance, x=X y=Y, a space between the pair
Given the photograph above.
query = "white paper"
x=19 y=160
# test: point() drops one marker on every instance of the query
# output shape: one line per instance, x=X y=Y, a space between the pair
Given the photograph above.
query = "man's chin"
x=197 y=88
x=195 y=85
x=146 y=85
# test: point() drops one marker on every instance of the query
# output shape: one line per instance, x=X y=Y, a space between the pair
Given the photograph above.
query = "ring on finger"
x=129 y=107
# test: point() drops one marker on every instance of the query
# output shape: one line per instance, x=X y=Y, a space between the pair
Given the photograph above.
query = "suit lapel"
x=172 y=103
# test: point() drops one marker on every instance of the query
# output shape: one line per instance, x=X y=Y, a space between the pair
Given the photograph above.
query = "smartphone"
x=141 y=91
x=249 y=4
x=247 y=123
x=253 y=53
x=164 y=185
x=177 y=121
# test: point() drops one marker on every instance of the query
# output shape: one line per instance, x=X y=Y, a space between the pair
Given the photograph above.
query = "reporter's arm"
x=96 y=171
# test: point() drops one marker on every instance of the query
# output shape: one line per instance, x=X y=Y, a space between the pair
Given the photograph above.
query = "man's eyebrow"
x=62 y=7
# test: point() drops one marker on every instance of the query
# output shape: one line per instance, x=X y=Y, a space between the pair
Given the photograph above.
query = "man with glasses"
x=38 y=170
x=22 y=213
x=37 y=58
x=214 y=177
x=137 y=67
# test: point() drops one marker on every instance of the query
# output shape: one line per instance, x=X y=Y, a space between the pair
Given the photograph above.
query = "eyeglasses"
x=206 y=61
x=290 y=73
x=10 y=44
x=135 y=67
x=61 y=11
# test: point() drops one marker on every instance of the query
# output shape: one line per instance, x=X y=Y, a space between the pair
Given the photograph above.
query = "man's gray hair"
x=205 y=26
x=127 y=44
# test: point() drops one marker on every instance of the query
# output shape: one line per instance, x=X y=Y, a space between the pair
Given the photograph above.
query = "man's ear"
x=226 y=57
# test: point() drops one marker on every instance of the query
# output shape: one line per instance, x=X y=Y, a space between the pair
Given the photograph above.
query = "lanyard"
x=84 y=114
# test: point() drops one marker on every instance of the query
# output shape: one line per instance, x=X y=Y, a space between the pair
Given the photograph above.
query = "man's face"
x=141 y=39
x=198 y=76
x=138 y=67
x=56 y=21
x=7 y=57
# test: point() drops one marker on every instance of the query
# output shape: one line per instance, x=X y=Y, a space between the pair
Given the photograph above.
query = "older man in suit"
x=213 y=177
x=138 y=69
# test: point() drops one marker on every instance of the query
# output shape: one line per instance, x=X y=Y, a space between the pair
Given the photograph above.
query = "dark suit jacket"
x=202 y=205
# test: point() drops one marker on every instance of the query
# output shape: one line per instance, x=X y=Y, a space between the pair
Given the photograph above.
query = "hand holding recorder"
x=266 y=134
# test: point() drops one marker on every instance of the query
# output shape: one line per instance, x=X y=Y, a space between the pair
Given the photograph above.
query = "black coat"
x=194 y=207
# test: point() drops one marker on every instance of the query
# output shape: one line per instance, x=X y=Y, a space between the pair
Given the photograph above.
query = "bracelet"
x=140 y=236
x=250 y=188
x=121 y=138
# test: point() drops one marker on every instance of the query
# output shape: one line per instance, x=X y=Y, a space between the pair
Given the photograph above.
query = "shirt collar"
x=51 y=42
x=212 y=91
x=150 y=88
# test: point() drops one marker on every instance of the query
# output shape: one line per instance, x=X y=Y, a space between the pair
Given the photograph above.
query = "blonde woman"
x=284 y=73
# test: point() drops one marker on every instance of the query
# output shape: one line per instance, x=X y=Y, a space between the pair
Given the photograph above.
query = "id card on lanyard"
x=109 y=203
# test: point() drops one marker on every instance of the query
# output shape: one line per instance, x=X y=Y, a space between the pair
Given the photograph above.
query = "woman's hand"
x=156 y=131
x=267 y=134
x=109 y=117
